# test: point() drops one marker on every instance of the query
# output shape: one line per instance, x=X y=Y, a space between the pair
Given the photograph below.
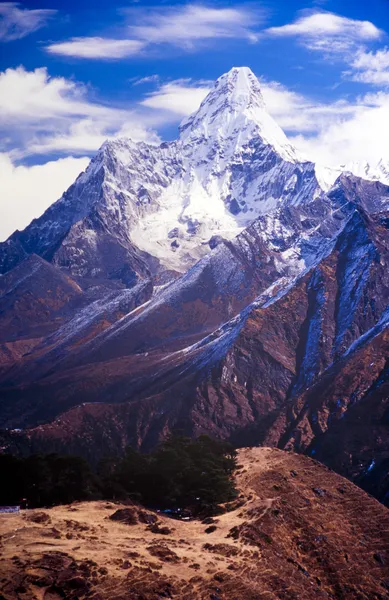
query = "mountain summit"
x=235 y=110
x=163 y=208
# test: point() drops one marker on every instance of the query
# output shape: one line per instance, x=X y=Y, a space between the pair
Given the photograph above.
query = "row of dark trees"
x=180 y=473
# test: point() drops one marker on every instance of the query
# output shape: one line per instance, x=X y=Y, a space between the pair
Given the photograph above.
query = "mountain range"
x=218 y=284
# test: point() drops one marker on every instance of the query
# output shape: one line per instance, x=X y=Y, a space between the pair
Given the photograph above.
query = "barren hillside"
x=300 y=532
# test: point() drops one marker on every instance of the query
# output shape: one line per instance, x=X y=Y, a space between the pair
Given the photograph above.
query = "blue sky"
x=74 y=73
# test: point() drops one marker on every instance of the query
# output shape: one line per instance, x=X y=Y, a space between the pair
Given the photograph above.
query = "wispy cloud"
x=332 y=133
x=186 y=27
x=17 y=22
x=297 y=113
x=370 y=67
x=141 y=80
x=344 y=39
x=97 y=47
x=327 y=32
x=360 y=133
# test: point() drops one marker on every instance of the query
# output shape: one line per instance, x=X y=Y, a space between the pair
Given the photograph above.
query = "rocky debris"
x=38 y=517
x=128 y=516
x=210 y=529
x=157 y=528
x=222 y=549
x=147 y=518
x=319 y=492
x=164 y=553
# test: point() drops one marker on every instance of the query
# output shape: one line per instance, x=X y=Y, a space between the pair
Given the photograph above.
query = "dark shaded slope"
x=244 y=381
x=36 y=298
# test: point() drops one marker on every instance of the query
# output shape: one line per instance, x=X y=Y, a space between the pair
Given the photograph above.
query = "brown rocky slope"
x=301 y=532
x=169 y=359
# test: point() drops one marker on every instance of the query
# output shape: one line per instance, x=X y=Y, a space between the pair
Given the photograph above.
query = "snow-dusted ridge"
x=379 y=171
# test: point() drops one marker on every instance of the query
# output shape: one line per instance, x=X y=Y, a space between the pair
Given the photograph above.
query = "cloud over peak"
x=181 y=97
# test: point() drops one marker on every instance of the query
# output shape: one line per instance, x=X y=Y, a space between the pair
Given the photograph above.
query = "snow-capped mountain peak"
x=235 y=110
x=230 y=164
x=235 y=92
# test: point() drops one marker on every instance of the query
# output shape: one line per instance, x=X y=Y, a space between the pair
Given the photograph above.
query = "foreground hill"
x=301 y=532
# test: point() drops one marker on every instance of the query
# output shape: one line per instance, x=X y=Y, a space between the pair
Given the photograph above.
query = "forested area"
x=180 y=472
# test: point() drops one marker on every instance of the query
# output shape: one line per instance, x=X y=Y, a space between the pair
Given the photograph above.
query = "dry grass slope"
x=301 y=533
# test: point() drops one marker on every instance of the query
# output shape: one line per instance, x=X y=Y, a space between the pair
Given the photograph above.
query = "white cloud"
x=328 y=33
x=183 y=26
x=26 y=95
x=371 y=67
x=178 y=97
x=26 y=192
x=335 y=133
x=328 y=24
x=87 y=135
x=297 y=113
x=96 y=47
x=16 y=23
x=42 y=114
x=141 y=80
x=360 y=133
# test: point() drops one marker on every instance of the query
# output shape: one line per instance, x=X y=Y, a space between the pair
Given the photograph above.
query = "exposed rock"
x=128 y=516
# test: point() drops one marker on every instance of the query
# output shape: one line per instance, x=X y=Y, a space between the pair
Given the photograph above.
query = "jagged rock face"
x=261 y=261
x=230 y=164
x=245 y=380
x=35 y=299
x=374 y=172
x=287 y=345
x=378 y=172
x=356 y=444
